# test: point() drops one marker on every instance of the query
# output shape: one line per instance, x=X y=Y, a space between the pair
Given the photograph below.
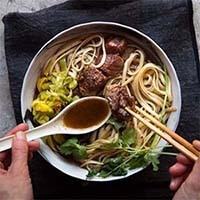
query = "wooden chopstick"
x=173 y=138
x=174 y=135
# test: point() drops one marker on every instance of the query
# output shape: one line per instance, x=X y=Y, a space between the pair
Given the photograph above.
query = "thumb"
x=19 y=153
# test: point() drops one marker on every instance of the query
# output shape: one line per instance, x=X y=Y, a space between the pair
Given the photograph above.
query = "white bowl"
x=48 y=50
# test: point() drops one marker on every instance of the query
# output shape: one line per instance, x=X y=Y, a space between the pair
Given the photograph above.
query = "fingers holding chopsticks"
x=183 y=159
x=196 y=144
x=184 y=169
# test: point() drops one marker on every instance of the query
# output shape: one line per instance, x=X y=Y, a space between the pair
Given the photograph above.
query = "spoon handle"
x=6 y=142
x=32 y=134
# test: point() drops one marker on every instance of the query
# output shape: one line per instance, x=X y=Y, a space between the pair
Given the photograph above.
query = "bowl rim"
x=147 y=38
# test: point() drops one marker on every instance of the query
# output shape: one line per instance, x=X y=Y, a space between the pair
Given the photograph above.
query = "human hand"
x=185 y=177
x=15 y=182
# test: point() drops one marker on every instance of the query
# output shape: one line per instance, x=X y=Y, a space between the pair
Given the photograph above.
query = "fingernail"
x=21 y=135
x=172 y=185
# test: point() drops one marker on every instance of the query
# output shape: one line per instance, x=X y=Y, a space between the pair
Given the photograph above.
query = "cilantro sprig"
x=129 y=157
x=72 y=147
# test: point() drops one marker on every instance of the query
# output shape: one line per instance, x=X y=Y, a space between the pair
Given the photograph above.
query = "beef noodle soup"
x=117 y=69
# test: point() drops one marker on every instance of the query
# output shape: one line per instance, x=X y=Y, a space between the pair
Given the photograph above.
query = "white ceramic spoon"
x=80 y=117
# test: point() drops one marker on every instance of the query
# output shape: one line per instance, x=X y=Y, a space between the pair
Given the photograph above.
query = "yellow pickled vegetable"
x=55 y=92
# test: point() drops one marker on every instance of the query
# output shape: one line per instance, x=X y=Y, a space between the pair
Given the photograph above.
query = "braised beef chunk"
x=113 y=65
x=116 y=45
x=118 y=99
x=90 y=81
